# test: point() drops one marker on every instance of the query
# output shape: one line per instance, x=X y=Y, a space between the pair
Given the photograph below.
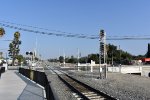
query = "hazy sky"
x=116 y=17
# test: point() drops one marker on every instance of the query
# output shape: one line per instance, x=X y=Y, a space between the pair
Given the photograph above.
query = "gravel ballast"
x=120 y=86
x=117 y=85
x=60 y=90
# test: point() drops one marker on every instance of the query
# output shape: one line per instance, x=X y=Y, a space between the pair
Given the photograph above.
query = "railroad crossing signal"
x=102 y=55
x=29 y=53
x=102 y=48
x=102 y=34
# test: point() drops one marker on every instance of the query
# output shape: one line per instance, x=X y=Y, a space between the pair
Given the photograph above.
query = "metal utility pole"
x=119 y=55
x=36 y=46
x=112 y=62
x=64 y=60
x=119 y=59
x=78 y=57
x=102 y=55
x=100 y=67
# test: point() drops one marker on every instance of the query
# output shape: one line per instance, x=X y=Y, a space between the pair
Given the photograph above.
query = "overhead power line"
x=39 y=28
x=130 y=38
x=66 y=34
x=47 y=33
x=6 y=40
x=125 y=36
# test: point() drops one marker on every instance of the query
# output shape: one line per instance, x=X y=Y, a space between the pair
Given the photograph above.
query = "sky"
x=116 y=17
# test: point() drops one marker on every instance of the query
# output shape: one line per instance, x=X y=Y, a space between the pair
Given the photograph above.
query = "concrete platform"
x=14 y=86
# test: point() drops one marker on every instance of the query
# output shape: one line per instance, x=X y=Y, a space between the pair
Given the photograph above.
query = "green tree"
x=14 y=47
x=72 y=60
x=138 y=57
x=61 y=59
x=113 y=55
x=118 y=56
x=20 y=59
x=83 y=60
x=94 y=57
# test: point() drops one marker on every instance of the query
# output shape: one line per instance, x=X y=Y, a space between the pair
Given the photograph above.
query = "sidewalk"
x=14 y=86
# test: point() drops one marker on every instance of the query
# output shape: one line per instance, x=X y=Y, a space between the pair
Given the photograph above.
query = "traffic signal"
x=102 y=46
x=102 y=33
x=29 y=53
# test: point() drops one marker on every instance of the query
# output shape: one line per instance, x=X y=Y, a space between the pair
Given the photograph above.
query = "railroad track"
x=81 y=90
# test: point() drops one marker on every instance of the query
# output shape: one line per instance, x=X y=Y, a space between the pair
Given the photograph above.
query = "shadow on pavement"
x=32 y=91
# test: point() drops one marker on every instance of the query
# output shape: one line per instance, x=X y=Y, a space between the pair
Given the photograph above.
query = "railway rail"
x=81 y=90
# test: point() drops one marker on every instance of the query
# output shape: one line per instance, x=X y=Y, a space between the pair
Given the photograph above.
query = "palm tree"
x=14 y=47
x=2 y=32
x=17 y=35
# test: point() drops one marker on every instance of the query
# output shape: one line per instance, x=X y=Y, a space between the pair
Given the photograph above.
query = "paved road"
x=14 y=86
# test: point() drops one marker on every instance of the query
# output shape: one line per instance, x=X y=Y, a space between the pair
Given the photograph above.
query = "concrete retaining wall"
x=133 y=69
